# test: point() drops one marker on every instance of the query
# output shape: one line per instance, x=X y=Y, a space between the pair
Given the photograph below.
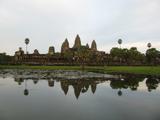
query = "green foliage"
x=152 y=55
x=120 y=41
x=68 y=55
x=135 y=56
x=116 y=52
x=83 y=54
x=27 y=41
x=128 y=56
x=5 y=59
x=145 y=70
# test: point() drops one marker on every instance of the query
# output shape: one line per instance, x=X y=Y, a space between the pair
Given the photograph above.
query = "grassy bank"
x=91 y=68
x=145 y=70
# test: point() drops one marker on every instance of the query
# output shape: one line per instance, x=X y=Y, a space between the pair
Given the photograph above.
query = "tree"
x=116 y=54
x=152 y=55
x=129 y=56
x=83 y=55
x=135 y=56
x=68 y=55
x=120 y=42
x=27 y=42
x=149 y=45
x=125 y=55
x=5 y=59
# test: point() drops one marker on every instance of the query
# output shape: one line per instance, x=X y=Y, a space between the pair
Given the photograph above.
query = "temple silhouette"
x=84 y=54
x=76 y=55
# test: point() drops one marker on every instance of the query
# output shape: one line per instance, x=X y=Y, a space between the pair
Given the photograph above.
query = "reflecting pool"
x=76 y=95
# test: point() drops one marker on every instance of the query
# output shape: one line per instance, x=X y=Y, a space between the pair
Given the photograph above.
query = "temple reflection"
x=64 y=87
x=81 y=86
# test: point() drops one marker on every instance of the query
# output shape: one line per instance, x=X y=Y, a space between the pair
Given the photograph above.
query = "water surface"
x=75 y=95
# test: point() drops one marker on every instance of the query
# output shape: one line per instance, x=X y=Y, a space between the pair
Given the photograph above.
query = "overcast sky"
x=48 y=22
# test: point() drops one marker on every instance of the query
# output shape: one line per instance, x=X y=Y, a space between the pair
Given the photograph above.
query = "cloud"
x=49 y=22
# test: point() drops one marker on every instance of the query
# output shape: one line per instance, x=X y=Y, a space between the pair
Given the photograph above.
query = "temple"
x=76 y=55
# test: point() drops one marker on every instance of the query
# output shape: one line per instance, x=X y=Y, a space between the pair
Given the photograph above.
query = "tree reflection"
x=152 y=84
x=132 y=82
x=19 y=80
x=26 y=91
x=51 y=83
x=119 y=93
x=35 y=80
x=128 y=82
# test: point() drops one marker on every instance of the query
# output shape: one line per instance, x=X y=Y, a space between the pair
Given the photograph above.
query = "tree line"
x=124 y=56
x=132 y=56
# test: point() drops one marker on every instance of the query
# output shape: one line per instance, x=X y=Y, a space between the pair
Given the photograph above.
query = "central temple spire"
x=77 y=43
x=94 y=45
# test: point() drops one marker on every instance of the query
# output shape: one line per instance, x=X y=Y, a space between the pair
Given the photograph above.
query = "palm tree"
x=149 y=45
x=120 y=42
x=27 y=42
x=83 y=55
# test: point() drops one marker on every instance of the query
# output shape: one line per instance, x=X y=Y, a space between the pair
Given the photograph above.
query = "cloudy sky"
x=48 y=22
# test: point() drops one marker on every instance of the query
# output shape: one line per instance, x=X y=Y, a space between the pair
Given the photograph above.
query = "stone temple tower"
x=65 y=46
x=94 y=46
x=51 y=50
x=87 y=46
x=77 y=43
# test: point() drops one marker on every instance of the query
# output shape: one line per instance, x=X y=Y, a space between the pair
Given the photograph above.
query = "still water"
x=75 y=95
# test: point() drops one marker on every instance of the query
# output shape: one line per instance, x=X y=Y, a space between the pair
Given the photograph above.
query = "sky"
x=48 y=22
